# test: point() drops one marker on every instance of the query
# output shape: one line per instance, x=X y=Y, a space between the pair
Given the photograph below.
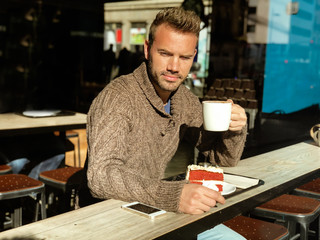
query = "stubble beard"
x=163 y=85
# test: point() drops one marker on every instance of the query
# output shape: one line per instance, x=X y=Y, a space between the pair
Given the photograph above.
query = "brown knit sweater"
x=131 y=140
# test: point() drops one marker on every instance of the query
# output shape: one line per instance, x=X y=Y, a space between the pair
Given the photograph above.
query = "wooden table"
x=12 y=124
x=281 y=170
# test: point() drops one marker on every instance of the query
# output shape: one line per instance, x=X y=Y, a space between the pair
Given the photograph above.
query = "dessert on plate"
x=211 y=177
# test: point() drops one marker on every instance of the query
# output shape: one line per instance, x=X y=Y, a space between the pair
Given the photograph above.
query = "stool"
x=73 y=134
x=72 y=144
x=5 y=169
x=253 y=229
x=292 y=209
x=310 y=189
x=66 y=181
x=14 y=186
x=62 y=183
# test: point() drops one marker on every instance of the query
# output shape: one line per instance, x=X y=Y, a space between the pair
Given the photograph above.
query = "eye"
x=185 y=57
x=165 y=54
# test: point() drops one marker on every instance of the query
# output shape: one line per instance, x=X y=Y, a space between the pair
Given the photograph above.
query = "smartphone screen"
x=144 y=208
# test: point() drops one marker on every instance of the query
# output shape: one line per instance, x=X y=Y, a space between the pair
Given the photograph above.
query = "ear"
x=146 y=49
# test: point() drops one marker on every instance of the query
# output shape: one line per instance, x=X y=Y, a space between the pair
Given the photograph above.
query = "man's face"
x=170 y=58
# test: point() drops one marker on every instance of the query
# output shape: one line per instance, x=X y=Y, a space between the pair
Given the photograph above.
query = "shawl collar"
x=142 y=78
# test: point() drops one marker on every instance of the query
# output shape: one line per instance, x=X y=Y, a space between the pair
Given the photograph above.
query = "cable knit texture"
x=131 y=139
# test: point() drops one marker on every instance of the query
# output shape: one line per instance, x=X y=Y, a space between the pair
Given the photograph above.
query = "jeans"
x=18 y=164
x=220 y=232
x=49 y=164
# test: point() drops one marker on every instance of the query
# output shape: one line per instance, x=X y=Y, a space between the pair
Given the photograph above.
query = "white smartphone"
x=143 y=209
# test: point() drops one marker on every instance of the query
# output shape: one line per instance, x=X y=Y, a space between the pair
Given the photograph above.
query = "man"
x=136 y=123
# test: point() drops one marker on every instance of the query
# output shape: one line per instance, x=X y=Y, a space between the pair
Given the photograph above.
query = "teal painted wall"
x=292 y=70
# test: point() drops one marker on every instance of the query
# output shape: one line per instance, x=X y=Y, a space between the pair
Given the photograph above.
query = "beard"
x=161 y=83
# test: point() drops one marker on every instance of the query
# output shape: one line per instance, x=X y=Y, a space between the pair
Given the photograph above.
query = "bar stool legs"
x=15 y=187
x=17 y=217
x=63 y=182
x=292 y=209
x=311 y=190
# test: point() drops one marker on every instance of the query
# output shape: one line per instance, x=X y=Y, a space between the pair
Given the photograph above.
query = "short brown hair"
x=177 y=18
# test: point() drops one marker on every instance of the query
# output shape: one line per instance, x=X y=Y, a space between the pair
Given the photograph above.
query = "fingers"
x=218 y=198
x=230 y=100
x=212 y=195
x=196 y=199
x=238 y=118
x=209 y=202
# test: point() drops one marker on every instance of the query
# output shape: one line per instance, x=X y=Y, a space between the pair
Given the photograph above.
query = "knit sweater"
x=131 y=139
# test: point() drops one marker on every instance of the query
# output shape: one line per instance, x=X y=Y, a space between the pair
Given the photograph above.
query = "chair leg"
x=304 y=231
x=79 y=157
x=65 y=200
x=36 y=213
x=60 y=202
x=43 y=205
x=318 y=228
x=74 y=158
x=291 y=226
x=17 y=217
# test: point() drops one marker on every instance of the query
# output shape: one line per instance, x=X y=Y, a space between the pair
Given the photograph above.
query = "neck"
x=164 y=95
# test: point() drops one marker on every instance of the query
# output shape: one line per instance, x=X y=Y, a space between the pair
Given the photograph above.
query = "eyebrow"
x=164 y=50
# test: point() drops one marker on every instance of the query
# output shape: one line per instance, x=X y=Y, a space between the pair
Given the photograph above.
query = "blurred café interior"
x=57 y=55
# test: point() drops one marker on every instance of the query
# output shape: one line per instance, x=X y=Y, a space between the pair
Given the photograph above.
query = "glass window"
x=138 y=34
x=112 y=35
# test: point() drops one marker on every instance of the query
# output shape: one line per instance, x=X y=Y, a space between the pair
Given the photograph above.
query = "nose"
x=173 y=65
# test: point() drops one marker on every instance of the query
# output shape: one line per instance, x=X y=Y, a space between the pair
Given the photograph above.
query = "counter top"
x=12 y=123
x=281 y=170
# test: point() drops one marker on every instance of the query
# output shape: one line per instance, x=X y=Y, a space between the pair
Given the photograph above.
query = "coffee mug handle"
x=315 y=133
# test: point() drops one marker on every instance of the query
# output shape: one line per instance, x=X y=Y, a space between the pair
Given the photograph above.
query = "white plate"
x=40 y=113
x=228 y=188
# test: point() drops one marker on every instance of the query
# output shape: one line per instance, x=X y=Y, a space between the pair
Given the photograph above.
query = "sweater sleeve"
x=110 y=173
x=223 y=148
x=228 y=148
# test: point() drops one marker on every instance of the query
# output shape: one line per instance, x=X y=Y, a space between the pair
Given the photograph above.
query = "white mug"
x=216 y=115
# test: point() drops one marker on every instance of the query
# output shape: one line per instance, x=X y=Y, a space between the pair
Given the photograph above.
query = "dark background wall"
x=48 y=50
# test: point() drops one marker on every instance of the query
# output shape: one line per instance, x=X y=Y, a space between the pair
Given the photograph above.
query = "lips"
x=171 y=78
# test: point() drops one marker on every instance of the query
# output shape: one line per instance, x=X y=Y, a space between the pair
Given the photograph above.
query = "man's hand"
x=197 y=199
x=238 y=117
